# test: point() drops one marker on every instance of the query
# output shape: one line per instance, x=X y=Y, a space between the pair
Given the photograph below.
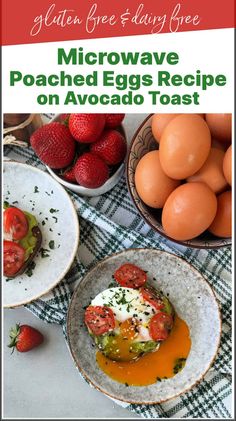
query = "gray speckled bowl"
x=143 y=142
x=194 y=302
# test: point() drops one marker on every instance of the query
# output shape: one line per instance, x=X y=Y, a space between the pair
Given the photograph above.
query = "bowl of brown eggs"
x=179 y=174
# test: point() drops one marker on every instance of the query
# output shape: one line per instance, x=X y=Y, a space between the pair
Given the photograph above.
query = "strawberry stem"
x=14 y=334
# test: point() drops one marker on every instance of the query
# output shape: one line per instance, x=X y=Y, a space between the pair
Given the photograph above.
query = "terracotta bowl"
x=143 y=142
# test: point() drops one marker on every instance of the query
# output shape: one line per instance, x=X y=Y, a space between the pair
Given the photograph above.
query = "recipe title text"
x=115 y=79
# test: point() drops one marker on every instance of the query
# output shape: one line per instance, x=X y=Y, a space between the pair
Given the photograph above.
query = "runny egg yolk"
x=154 y=366
x=121 y=343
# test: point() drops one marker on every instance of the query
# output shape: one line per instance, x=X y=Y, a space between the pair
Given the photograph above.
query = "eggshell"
x=221 y=226
x=159 y=122
x=189 y=211
x=220 y=126
x=152 y=184
x=211 y=172
x=184 y=146
x=227 y=165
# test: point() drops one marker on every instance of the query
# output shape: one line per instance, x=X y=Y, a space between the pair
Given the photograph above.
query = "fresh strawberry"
x=111 y=147
x=24 y=338
x=114 y=120
x=54 y=145
x=69 y=175
x=86 y=128
x=91 y=171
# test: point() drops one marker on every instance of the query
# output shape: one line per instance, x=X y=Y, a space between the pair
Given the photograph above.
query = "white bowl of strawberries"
x=83 y=152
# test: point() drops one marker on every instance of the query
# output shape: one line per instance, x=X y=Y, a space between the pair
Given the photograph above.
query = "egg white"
x=127 y=303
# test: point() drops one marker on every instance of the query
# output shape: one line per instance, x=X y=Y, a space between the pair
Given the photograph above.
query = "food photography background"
x=56 y=380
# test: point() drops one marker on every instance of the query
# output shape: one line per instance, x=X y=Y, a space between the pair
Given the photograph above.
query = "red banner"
x=25 y=21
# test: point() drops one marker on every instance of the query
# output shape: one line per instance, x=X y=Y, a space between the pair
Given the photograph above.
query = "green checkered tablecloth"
x=110 y=223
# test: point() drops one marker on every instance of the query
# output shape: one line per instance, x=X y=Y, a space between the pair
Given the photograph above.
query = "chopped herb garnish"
x=54 y=217
x=8 y=279
x=15 y=201
x=53 y=210
x=36 y=189
x=128 y=307
x=47 y=193
x=51 y=244
x=126 y=384
x=43 y=222
x=111 y=285
x=44 y=252
x=179 y=365
x=30 y=268
x=5 y=204
x=158 y=379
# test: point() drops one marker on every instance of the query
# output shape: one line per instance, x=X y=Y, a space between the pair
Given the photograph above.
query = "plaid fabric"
x=110 y=223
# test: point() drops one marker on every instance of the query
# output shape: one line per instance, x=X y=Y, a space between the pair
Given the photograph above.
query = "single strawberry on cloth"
x=110 y=223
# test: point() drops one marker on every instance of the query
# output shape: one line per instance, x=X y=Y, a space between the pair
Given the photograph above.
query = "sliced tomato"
x=151 y=295
x=15 y=223
x=130 y=276
x=99 y=319
x=13 y=257
x=160 y=326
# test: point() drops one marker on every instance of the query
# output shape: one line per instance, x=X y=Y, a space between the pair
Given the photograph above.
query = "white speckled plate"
x=38 y=193
x=194 y=301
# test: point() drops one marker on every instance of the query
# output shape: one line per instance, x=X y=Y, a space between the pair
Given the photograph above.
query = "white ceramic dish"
x=84 y=191
x=193 y=300
x=38 y=193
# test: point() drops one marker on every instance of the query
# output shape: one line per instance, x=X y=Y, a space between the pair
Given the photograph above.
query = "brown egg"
x=221 y=226
x=219 y=145
x=188 y=211
x=220 y=126
x=211 y=172
x=227 y=165
x=159 y=122
x=184 y=146
x=152 y=184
